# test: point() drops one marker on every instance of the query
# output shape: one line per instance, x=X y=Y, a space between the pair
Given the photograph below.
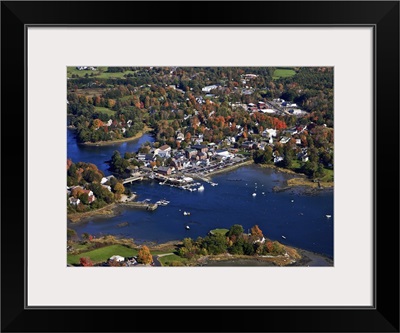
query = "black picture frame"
x=383 y=16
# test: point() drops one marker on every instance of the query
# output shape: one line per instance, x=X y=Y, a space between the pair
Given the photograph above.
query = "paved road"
x=155 y=258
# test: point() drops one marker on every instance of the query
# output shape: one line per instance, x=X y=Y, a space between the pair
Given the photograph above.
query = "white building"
x=117 y=258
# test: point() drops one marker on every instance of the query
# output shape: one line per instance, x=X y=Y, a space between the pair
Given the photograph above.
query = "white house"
x=164 y=151
x=117 y=258
x=284 y=139
x=269 y=132
x=74 y=201
x=209 y=88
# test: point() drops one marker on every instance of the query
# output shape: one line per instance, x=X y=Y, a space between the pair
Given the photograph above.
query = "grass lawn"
x=328 y=175
x=99 y=73
x=280 y=72
x=166 y=260
x=104 y=110
x=221 y=231
x=296 y=165
x=102 y=254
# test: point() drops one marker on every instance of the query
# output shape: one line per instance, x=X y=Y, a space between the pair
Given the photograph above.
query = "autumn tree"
x=144 y=256
x=86 y=262
x=256 y=232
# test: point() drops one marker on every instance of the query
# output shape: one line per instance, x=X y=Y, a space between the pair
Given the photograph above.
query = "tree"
x=86 y=262
x=236 y=230
x=119 y=188
x=144 y=256
x=256 y=231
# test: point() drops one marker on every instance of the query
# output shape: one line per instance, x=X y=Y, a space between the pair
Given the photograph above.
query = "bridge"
x=132 y=179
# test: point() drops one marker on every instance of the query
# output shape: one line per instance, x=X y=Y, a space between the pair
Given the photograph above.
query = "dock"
x=138 y=204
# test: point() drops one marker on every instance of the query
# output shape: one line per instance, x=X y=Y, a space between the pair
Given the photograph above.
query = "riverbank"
x=299 y=181
x=111 y=142
x=109 y=210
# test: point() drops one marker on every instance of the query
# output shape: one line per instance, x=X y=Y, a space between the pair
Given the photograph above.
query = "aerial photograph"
x=199 y=166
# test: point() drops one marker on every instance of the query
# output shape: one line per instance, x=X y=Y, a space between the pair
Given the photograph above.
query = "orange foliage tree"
x=144 y=256
x=86 y=262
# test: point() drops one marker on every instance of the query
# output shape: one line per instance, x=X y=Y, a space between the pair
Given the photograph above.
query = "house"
x=74 y=201
x=291 y=131
x=177 y=163
x=284 y=139
x=296 y=112
x=180 y=137
x=164 y=151
x=117 y=258
x=200 y=148
x=248 y=144
x=202 y=156
x=190 y=153
x=91 y=196
x=303 y=156
x=223 y=153
x=207 y=89
x=107 y=187
x=269 y=132
x=164 y=170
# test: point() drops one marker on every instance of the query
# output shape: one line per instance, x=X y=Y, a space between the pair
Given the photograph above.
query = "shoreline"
x=111 y=142
x=110 y=210
x=300 y=181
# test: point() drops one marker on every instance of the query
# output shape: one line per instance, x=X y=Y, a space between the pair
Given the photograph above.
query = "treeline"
x=234 y=241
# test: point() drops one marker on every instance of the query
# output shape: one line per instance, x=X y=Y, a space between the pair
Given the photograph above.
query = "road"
x=155 y=258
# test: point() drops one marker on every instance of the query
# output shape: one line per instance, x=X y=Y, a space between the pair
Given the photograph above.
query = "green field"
x=102 y=254
x=280 y=72
x=167 y=260
x=219 y=231
x=104 y=110
x=328 y=175
x=99 y=73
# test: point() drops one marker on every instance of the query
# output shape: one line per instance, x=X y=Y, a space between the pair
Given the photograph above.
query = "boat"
x=283 y=237
x=328 y=216
x=292 y=201
x=254 y=194
x=186 y=213
x=187 y=227
x=201 y=188
x=162 y=202
x=214 y=184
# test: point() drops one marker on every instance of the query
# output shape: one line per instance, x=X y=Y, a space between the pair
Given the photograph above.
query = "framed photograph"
x=217 y=161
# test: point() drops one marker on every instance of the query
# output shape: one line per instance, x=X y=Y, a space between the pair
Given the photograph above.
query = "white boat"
x=186 y=213
x=201 y=188
x=328 y=216
x=283 y=237
x=187 y=227
x=214 y=184
x=162 y=202
x=254 y=194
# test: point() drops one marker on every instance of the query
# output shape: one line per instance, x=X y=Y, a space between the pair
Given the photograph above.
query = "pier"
x=138 y=204
x=132 y=179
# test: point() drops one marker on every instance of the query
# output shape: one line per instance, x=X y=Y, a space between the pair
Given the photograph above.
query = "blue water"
x=298 y=216
x=99 y=154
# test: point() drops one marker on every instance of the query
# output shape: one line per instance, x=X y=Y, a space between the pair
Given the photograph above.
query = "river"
x=294 y=214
